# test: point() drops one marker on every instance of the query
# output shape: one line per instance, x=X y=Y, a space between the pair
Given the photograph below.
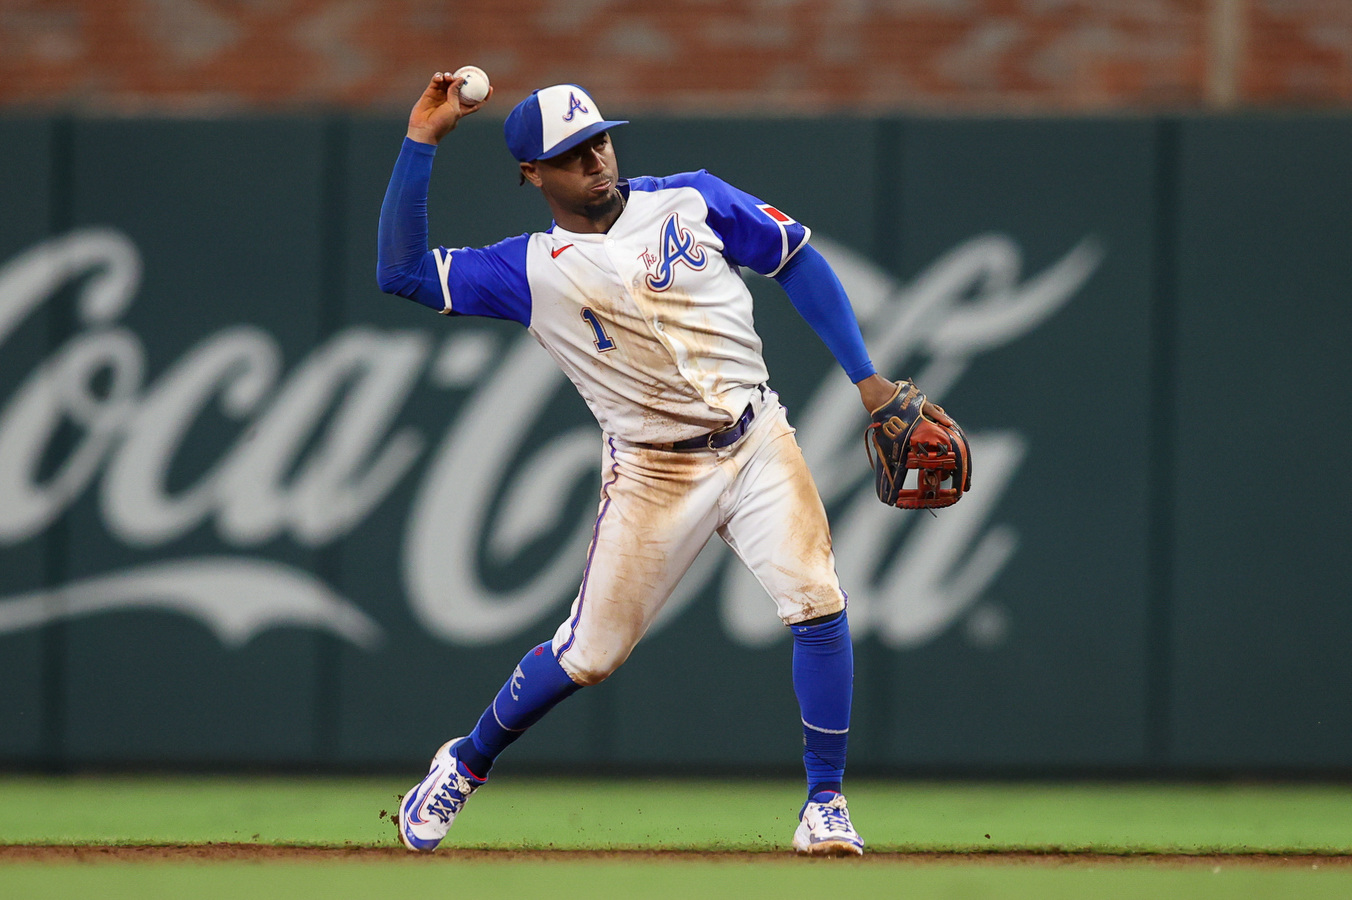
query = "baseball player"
x=635 y=292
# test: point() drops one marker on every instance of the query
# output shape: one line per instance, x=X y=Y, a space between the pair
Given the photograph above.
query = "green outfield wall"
x=252 y=511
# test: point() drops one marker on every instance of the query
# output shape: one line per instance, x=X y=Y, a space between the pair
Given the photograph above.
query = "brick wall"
x=775 y=56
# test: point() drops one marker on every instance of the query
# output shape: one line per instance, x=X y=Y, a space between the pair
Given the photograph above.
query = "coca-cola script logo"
x=319 y=455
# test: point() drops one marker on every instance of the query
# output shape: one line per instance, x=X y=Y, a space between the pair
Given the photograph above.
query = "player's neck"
x=594 y=220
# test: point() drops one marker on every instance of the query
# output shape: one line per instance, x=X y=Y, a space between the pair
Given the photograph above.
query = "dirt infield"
x=244 y=852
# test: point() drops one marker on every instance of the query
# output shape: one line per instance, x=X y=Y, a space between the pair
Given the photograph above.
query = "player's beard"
x=611 y=204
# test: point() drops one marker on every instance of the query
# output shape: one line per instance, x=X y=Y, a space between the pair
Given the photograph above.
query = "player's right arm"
x=404 y=262
x=440 y=109
x=486 y=282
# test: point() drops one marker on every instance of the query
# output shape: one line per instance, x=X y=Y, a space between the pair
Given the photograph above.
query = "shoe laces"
x=448 y=801
x=835 y=814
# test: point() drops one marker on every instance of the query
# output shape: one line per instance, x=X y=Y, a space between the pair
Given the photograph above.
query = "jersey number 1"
x=603 y=341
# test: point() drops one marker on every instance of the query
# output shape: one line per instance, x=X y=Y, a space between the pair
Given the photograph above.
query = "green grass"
x=789 y=880
x=569 y=813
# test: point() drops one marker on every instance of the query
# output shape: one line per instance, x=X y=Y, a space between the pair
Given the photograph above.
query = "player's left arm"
x=820 y=299
x=768 y=241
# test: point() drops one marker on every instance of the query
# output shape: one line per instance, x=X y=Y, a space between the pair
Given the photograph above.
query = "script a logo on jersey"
x=677 y=245
x=574 y=107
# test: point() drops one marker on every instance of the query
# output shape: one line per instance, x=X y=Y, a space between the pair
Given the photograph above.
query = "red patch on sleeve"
x=775 y=214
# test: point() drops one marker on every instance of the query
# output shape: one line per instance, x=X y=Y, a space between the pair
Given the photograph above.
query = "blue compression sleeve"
x=823 y=678
x=820 y=299
x=537 y=685
x=402 y=241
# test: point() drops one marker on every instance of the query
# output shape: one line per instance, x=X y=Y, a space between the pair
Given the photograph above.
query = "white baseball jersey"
x=651 y=321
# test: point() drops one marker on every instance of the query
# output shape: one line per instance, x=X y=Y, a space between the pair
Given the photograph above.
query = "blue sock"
x=823 y=679
x=537 y=685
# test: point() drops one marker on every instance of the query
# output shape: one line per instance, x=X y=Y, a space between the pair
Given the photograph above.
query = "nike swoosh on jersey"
x=555 y=253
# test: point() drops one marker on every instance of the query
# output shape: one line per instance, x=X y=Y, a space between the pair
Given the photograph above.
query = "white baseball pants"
x=659 y=508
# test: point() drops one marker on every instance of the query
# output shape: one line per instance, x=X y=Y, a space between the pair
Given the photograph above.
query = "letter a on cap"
x=553 y=120
x=574 y=107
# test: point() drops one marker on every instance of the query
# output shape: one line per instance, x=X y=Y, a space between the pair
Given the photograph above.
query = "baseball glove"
x=908 y=433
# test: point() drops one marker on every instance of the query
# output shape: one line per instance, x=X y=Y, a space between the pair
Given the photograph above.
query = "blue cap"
x=551 y=121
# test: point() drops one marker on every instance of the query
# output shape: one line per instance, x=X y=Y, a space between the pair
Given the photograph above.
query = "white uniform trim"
x=499 y=718
x=443 y=258
x=807 y=234
x=783 y=221
x=807 y=724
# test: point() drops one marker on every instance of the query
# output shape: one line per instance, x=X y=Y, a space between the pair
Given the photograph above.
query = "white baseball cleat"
x=824 y=828
x=427 y=811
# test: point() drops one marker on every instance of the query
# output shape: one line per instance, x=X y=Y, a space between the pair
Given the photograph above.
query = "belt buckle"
x=709 y=440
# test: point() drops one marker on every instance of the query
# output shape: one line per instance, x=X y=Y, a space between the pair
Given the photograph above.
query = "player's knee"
x=589 y=677
x=588 y=670
x=828 y=608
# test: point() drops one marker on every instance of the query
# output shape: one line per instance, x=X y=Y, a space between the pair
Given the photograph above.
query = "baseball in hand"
x=475 y=88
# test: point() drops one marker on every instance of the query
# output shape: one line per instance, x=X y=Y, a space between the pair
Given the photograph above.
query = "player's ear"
x=530 y=173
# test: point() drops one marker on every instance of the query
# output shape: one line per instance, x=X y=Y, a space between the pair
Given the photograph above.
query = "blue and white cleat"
x=824 y=828
x=427 y=811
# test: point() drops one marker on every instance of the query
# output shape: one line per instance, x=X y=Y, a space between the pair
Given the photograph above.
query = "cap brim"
x=576 y=138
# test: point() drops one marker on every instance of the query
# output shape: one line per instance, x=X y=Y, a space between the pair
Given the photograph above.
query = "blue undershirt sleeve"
x=403 y=265
x=485 y=281
x=820 y=299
